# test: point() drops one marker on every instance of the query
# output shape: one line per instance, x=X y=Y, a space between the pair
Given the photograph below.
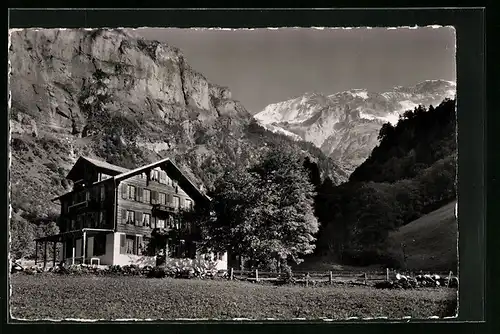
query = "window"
x=130 y=244
x=163 y=199
x=143 y=246
x=146 y=219
x=99 y=244
x=73 y=224
x=160 y=223
x=171 y=222
x=131 y=192
x=176 y=202
x=188 y=204
x=130 y=217
x=147 y=196
x=168 y=180
x=155 y=175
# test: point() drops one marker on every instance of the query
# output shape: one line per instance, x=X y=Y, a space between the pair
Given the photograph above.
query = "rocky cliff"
x=112 y=95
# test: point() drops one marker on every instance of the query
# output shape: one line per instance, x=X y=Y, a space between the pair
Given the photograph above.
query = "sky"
x=265 y=66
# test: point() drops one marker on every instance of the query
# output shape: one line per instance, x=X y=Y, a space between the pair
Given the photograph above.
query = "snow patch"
x=366 y=116
x=407 y=105
x=361 y=93
x=392 y=118
x=277 y=129
x=451 y=92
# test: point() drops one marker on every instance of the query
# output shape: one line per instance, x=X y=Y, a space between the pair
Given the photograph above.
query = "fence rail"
x=334 y=276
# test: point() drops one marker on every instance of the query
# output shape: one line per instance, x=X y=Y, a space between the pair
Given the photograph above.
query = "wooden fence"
x=314 y=277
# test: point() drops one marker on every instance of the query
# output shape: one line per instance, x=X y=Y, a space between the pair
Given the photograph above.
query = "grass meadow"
x=50 y=296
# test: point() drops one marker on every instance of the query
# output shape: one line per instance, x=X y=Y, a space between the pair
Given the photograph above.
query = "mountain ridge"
x=345 y=124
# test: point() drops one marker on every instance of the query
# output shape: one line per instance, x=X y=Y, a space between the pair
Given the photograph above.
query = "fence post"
x=365 y=279
x=307 y=279
x=231 y=274
x=387 y=274
x=330 y=279
x=256 y=275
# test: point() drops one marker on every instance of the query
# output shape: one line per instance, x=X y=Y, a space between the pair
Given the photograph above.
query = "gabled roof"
x=111 y=169
x=189 y=187
x=123 y=173
x=106 y=165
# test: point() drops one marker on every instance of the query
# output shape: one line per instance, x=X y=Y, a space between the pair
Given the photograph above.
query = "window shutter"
x=124 y=216
x=124 y=190
x=181 y=202
x=153 y=222
x=139 y=194
x=136 y=245
x=123 y=245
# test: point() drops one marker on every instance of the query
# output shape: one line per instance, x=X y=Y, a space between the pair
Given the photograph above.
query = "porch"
x=66 y=252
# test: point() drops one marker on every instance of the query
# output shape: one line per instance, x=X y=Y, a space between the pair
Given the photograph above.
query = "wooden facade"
x=111 y=211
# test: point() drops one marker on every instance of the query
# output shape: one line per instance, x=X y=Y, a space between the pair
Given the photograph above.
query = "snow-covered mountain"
x=345 y=125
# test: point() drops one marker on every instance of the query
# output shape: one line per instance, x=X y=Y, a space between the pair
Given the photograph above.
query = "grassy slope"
x=85 y=297
x=431 y=240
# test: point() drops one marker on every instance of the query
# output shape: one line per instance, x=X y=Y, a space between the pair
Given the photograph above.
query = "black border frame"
x=471 y=109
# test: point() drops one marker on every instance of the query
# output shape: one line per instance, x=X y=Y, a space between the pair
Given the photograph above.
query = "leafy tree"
x=22 y=236
x=264 y=213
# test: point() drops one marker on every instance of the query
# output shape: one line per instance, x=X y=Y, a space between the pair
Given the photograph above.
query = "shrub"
x=189 y=268
x=131 y=270
x=157 y=272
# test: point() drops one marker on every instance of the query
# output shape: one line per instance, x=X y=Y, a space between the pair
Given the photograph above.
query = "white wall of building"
x=112 y=256
x=128 y=259
x=221 y=264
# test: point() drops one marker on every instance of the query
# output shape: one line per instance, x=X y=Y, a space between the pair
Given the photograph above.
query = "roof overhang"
x=76 y=233
x=168 y=162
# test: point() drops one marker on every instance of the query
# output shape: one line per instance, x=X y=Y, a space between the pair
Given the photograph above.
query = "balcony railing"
x=165 y=208
x=78 y=205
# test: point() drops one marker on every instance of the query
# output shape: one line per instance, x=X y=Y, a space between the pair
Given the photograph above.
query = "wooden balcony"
x=162 y=208
x=77 y=207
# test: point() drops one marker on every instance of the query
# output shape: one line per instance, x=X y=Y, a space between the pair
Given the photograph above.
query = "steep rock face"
x=345 y=125
x=117 y=97
x=53 y=67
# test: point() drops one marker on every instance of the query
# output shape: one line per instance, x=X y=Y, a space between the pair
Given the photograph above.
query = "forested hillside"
x=411 y=172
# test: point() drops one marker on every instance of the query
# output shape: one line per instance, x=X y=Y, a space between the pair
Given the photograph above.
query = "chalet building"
x=111 y=211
